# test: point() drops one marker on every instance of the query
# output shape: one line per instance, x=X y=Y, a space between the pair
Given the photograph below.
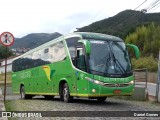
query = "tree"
x=147 y=38
x=3 y=52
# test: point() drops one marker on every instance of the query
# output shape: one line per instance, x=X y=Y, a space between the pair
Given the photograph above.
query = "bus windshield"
x=109 y=58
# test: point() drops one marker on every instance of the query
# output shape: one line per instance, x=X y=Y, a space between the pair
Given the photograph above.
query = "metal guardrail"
x=141 y=76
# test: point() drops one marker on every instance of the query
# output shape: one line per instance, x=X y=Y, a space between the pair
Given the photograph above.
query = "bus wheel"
x=23 y=94
x=101 y=99
x=66 y=94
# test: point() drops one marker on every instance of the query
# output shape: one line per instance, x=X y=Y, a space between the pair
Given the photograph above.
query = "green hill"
x=122 y=23
x=34 y=39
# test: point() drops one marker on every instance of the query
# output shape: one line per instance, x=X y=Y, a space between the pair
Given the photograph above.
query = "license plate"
x=117 y=92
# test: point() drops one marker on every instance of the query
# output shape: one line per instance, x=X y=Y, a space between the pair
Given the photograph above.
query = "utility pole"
x=158 y=80
x=6 y=39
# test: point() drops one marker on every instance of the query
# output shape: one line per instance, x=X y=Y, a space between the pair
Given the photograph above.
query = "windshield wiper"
x=117 y=61
x=119 y=64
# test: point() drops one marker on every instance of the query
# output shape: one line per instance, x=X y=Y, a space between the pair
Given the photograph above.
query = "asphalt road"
x=38 y=103
x=84 y=105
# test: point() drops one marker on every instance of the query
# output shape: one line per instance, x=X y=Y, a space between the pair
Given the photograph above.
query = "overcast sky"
x=22 y=17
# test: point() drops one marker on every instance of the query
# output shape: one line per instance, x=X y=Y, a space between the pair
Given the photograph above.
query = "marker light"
x=93 y=90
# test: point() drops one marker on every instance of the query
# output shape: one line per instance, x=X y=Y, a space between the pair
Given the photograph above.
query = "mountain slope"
x=122 y=23
x=35 y=39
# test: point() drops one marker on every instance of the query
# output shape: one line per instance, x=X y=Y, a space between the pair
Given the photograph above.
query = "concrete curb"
x=2 y=106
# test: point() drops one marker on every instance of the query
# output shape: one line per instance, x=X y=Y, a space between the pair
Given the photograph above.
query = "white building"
x=9 y=65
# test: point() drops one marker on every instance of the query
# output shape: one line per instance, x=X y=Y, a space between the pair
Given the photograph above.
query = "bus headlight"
x=95 y=81
x=131 y=82
x=98 y=82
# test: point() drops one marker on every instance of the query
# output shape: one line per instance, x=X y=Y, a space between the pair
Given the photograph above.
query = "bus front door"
x=81 y=83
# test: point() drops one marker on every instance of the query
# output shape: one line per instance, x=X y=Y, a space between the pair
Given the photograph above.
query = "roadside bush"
x=145 y=62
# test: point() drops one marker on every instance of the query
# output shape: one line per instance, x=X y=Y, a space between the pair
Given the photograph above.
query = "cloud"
x=22 y=17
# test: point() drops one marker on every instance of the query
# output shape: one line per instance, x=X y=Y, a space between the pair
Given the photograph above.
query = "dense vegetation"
x=145 y=62
x=3 y=52
x=123 y=23
x=147 y=38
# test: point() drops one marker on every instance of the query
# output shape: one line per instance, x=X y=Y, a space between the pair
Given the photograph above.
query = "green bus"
x=80 y=64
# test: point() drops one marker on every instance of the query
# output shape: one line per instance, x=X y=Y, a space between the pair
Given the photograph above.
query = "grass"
x=8 y=79
x=9 y=106
x=19 y=105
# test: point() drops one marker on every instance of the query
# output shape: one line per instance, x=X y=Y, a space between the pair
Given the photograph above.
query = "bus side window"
x=81 y=59
x=72 y=44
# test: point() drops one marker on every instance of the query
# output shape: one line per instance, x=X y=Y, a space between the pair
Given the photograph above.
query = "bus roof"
x=99 y=36
x=83 y=35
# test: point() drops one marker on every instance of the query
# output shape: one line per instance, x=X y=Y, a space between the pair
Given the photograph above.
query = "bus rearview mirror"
x=136 y=49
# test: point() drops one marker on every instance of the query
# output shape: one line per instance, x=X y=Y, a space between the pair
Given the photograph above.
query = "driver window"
x=81 y=59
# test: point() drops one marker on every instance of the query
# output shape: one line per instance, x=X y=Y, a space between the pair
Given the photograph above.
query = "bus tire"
x=66 y=94
x=61 y=92
x=23 y=94
x=101 y=99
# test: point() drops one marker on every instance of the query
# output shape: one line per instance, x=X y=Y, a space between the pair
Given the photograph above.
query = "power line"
x=153 y=6
x=96 y=15
x=108 y=13
x=103 y=14
x=140 y=4
x=136 y=15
